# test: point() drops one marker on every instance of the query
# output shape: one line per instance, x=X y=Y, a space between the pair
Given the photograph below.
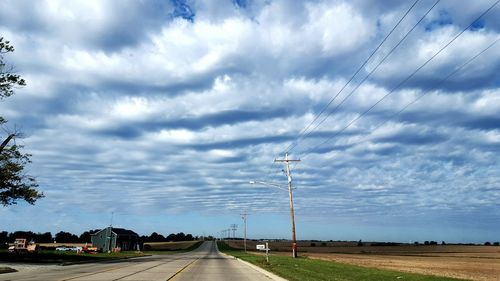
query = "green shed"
x=110 y=238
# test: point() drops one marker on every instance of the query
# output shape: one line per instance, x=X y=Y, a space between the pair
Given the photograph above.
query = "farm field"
x=170 y=246
x=154 y=246
x=457 y=261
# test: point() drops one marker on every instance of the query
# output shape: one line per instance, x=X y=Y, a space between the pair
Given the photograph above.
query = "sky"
x=156 y=115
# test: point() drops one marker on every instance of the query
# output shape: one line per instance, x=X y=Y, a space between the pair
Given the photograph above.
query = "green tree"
x=86 y=236
x=65 y=237
x=14 y=183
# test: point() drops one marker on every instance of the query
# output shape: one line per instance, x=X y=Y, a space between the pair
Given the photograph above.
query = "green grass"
x=305 y=269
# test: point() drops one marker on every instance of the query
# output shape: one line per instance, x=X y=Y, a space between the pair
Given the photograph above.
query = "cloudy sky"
x=163 y=111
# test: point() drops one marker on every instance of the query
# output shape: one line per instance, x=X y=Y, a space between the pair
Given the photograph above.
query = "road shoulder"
x=271 y=275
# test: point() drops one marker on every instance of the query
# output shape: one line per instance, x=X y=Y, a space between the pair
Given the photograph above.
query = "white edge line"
x=259 y=269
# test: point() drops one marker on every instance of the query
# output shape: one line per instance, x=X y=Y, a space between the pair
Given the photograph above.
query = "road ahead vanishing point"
x=204 y=263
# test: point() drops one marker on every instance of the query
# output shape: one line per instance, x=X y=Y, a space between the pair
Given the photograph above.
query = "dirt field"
x=55 y=245
x=466 y=262
x=170 y=246
x=164 y=246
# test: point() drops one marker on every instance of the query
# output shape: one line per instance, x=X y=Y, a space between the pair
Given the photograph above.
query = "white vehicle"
x=65 y=249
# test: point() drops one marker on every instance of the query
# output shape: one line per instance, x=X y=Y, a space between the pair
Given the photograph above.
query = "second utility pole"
x=289 y=175
x=244 y=217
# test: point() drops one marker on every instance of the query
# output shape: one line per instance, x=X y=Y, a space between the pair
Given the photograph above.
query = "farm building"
x=110 y=238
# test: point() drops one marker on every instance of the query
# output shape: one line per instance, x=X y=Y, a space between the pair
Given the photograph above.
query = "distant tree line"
x=172 y=237
x=85 y=237
x=428 y=243
x=46 y=237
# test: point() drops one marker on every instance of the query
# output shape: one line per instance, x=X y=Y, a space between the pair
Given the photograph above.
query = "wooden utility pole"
x=289 y=176
x=244 y=217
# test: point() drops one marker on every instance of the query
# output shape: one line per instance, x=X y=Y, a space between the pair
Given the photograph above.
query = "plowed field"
x=466 y=262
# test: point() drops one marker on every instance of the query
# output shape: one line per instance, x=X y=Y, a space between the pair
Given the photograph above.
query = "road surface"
x=204 y=263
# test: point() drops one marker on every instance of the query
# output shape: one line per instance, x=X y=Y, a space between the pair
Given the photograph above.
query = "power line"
x=365 y=78
x=402 y=82
x=440 y=83
x=303 y=134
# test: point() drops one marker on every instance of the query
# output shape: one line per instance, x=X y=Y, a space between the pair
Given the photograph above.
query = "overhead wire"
x=439 y=84
x=301 y=134
x=368 y=75
x=308 y=152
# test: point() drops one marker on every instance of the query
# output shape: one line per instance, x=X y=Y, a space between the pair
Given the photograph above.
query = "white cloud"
x=180 y=118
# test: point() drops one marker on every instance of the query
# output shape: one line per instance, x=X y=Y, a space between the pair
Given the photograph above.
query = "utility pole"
x=234 y=227
x=289 y=176
x=111 y=233
x=244 y=217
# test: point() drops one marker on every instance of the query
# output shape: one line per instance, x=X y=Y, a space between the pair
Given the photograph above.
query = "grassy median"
x=305 y=269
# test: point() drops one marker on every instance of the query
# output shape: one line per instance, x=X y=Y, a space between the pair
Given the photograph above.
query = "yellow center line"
x=180 y=270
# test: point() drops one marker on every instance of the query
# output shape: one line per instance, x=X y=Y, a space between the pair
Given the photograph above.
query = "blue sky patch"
x=444 y=18
x=182 y=10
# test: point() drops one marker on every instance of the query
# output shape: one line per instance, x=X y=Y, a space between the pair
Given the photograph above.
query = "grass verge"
x=304 y=269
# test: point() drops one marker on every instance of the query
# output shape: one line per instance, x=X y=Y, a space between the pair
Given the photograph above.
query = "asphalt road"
x=204 y=263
